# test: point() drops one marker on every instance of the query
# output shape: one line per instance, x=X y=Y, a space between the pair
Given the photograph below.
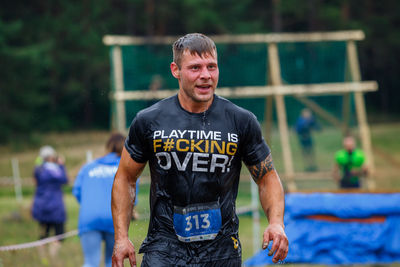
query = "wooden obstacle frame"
x=274 y=91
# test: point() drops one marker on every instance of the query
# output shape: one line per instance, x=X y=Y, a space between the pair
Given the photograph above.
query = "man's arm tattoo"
x=259 y=170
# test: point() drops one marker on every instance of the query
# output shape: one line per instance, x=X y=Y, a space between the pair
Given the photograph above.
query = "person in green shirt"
x=349 y=164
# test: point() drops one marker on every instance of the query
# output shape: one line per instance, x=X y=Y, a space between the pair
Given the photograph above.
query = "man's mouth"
x=203 y=86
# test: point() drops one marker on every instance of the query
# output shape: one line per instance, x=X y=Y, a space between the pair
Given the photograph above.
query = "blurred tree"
x=380 y=52
x=20 y=81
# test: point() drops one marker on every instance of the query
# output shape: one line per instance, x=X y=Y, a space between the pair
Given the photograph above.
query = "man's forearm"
x=270 y=189
x=272 y=197
x=123 y=193
x=123 y=197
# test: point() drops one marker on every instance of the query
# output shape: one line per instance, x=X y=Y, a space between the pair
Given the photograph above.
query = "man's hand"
x=123 y=249
x=280 y=243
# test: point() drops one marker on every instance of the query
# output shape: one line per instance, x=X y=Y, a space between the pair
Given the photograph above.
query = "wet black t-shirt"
x=195 y=160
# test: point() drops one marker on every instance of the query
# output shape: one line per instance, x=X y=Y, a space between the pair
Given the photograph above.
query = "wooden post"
x=89 y=155
x=120 y=117
x=275 y=71
x=361 y=112
x=17 y=180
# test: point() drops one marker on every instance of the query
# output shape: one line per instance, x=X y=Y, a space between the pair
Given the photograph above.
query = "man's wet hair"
x=195 y=43
x=115 y=143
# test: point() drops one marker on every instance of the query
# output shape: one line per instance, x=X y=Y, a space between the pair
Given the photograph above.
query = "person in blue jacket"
x=48 y=205
x=305 y=124
x=92 y=189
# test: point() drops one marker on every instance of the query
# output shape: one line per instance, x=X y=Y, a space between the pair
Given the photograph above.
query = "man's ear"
x=175 y=70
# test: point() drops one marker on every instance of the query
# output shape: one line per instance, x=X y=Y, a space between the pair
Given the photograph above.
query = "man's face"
x=349 y=143
x=198 y=76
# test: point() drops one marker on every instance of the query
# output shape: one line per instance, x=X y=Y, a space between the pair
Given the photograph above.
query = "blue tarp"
x=320 y=241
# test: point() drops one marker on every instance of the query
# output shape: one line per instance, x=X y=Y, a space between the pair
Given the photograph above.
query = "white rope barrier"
x=39 y=242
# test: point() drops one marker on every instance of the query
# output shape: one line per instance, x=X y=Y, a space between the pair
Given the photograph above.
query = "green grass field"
x=16 y=225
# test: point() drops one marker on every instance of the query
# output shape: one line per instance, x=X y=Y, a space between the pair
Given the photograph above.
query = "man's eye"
x=195 y=67
x=211 y=67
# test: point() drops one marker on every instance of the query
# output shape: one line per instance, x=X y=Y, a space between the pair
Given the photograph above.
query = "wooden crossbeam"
x=243 y=38
x=259 y=91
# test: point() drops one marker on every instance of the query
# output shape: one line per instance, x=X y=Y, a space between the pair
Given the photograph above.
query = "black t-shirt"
x=194 y=158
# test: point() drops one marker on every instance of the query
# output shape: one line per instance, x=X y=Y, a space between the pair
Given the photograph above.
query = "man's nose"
x=205 y=74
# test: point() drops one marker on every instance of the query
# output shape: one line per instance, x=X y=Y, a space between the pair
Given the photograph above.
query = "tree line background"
x=54 y=68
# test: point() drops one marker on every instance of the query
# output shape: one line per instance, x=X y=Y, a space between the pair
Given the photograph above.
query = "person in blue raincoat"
x=305 y=124
x=48 y=205
x=92 y=189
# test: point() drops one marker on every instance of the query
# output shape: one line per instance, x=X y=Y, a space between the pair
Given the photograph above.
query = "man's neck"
x=191 y=106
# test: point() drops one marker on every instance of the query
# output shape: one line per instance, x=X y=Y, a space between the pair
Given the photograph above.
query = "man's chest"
x=195 y=147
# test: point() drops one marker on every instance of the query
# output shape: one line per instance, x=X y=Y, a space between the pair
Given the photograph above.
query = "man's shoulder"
x=341 y=157
x=232 y=108
x=359 y=155
x=359 y=151
x=340 y=152
x=161 y=106
x=106 y=159
x=87 y=167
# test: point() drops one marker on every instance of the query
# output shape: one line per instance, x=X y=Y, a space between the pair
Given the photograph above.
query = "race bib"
x=197 y=222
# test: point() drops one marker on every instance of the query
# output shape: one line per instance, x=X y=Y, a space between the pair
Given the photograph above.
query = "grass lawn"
x=16 y=225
